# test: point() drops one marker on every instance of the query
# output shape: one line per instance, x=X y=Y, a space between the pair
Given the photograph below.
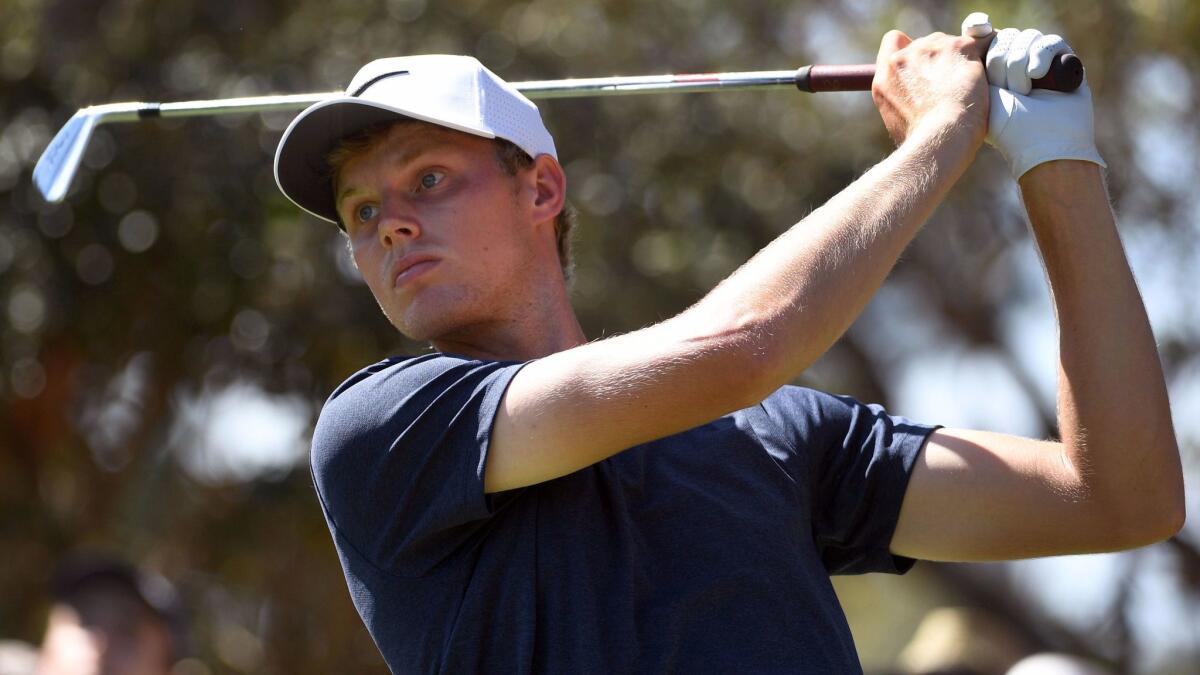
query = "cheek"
x=362 y=262
x=369 y=267
x=483 y=235
x=504 y=235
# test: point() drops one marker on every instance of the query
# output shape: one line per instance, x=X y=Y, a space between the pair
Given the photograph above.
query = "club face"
x=57 y=166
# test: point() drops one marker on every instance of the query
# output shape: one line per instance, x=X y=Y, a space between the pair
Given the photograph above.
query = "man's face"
x=437 y=229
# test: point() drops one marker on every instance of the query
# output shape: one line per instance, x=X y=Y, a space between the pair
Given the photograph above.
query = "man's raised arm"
x=1114 y=481
x=773 y=317
x=1113 y=412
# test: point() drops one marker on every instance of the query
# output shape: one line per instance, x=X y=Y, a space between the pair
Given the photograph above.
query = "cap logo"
x=375 y=79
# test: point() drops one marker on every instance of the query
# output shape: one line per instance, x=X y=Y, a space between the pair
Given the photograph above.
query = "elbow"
x=1170 y=509
x=757 y=374
x=1149 y=513
x=1165 y=522
x=741 y=359
x=1176 y=515
x=746 y=377
x=1129 y=529
x=1165 y=525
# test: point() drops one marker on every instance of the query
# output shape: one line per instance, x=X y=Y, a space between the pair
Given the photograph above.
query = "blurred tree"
x=169 y=332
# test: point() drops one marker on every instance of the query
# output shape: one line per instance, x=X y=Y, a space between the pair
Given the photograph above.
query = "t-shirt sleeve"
x=857 y=460
x=398 y=456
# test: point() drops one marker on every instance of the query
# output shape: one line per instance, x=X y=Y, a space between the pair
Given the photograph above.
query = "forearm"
x=1113 y=412
x=798 y=295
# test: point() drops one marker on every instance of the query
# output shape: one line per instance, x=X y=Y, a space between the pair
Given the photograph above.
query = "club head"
x=57 y=166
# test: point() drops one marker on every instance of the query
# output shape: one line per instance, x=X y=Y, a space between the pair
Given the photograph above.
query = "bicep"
x=978 y=495
x=577 y=407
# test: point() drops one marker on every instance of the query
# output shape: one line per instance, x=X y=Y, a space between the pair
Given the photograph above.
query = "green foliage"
x=175 y=269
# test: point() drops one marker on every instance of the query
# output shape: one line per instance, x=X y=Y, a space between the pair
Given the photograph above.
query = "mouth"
x=410 y=267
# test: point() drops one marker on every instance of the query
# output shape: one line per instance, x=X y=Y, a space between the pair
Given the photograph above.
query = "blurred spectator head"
x=107 y=618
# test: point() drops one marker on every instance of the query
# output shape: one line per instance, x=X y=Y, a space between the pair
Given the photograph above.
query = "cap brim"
x=301 y=170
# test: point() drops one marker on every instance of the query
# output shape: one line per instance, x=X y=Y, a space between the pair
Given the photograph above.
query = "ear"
x=549 y=188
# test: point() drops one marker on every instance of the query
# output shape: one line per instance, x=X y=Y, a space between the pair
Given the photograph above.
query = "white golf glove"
x=1033 y=126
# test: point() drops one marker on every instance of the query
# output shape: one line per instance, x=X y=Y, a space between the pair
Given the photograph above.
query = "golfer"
x=524 y=500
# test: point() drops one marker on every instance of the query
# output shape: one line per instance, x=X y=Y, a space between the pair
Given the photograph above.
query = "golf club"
x=58 y=164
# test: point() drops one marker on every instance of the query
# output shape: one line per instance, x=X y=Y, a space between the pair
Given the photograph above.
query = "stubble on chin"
x=436 y=314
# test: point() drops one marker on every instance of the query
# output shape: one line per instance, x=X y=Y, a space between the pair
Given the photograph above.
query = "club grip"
x=1066 y=74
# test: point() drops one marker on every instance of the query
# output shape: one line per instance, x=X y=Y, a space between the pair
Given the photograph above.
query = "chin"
x=417 y=333
x=427 y=318
x=418 y=329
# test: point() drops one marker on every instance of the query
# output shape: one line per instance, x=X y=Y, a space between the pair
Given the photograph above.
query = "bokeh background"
x=167 y=335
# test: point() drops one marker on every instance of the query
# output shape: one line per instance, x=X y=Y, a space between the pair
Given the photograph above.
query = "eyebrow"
x=411 y=153
x=348 y=192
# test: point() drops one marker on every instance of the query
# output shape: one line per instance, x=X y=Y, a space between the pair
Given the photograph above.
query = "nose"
x=396 y=228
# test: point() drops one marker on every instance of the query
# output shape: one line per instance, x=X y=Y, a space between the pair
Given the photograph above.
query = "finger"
x=1042 y=54
x=893 y=41
x=977 y=25
x=977 y=49
x=996 y=61
x=1017 y=66
x=1000 y=109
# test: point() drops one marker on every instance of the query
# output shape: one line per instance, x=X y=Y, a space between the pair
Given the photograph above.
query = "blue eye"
x=365 y=212
x=431 y=179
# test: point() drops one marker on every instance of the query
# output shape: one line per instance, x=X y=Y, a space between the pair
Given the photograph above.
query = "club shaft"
x=537 y=89
x=248 y=104
x=656 y=84
x=817 y=78
x=59 y=161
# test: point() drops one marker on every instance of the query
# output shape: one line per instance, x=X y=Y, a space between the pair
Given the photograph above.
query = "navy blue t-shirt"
x=706 y=551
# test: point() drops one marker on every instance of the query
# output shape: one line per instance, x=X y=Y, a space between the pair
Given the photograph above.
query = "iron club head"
x=58 y=164
x=60 y=161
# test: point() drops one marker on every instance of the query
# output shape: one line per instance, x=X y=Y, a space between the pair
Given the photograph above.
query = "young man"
x=523 y=500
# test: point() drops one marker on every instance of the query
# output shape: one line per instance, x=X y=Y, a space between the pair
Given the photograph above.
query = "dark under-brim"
x=301 y=169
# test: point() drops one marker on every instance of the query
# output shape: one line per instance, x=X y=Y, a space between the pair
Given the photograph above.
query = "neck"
x=511 y=342
x=541 y=330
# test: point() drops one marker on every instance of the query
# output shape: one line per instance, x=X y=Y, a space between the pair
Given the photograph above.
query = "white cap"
x=456 y=92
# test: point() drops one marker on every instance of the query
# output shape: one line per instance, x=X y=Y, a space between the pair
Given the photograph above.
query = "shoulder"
x=822 y=405
x=404 y=371
x=817 y=415
x=388 y=398
x=417 y=377
x=801 y=405
x=398 y=454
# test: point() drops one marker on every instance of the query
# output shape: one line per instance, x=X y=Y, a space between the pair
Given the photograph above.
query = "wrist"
x=1067 y=204
x=954 y=121
x=1062 y=179
x=947 y=140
